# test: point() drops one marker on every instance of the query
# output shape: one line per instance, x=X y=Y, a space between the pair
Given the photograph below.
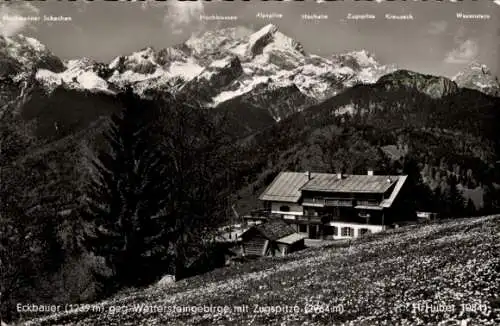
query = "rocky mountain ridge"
x=222 y=65
x=231 y=65
x=434 y=86
x=479 y=77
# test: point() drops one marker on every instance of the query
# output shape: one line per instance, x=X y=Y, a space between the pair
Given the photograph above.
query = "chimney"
x=389 y=180
x=308 y=174
x=339 y=175
x=369 y=172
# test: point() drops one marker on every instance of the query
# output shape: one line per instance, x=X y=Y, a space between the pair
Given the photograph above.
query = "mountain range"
x=263 y=72
x=288 y=110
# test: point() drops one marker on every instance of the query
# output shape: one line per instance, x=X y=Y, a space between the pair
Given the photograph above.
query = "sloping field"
x=439 y=274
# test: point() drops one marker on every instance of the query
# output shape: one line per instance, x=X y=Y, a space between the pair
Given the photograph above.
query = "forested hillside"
x=96 y=190
x=452 y=140
x=93 y=184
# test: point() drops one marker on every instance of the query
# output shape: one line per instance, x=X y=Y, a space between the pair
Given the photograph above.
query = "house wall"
x=253 y=243
x=346 y=214
x=356 y=229
x=322 y=231
x=285 y=249
x=281 y=249
x=402 y=209
x=295 y=209
x=275 y=249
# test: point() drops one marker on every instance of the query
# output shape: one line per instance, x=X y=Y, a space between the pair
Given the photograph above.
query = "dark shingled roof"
x=285 y=187
x=351 y=183
x=288 y=186
x=275 y=229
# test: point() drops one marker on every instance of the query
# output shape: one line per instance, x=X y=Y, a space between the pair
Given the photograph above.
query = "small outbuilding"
x=271 y=238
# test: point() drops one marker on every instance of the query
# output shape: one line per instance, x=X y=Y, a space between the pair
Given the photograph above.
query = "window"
x=285 y=208
x=335 y=230
x=364 y=231
x=302 y=228
x=313 y=231
x=327 y=230
x=347 y=232
x=330 y=231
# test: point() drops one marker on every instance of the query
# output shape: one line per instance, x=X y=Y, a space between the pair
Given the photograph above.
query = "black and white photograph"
x=250 y=162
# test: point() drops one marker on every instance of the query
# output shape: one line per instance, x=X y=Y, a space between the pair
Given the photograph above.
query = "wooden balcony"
x=314 y=219
x=324 y=202
x=338 y=202
x=367 y=203
x=313 y=202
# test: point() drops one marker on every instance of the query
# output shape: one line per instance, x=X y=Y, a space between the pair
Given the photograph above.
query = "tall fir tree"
x=159 y=188
x=126 y=194
x=455 y=202
x=422 y=195
x=197 y=153
x=470 y=208
x=29 y=246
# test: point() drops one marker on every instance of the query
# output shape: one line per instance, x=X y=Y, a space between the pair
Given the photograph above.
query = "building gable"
x=290 y=186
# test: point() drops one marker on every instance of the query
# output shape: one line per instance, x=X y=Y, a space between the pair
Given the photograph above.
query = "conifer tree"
x=126 y=193
x=159 y=187
x=470 y=209
x=197 y=154
x=455 y=202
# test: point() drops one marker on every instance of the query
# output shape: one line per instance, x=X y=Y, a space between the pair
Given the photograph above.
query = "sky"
x=435 y=41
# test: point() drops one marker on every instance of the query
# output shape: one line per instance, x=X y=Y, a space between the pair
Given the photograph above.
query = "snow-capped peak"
x=21 y=41
x=268 y=38
x=364 y=58
x=356 y=59
x=225 y=63
x=146 y=55
x=231 y=39
x=265 y=68
x=22 y=53
x=148 y=68
x=222 y=63
x=269 y=54
x=268 y=29
x=81 y=73
x=479 y=77
x=34 y=43
x=79 y=64
x=472 y=68
x=265 y=31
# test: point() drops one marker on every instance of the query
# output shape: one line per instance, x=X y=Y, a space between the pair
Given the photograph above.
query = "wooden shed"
x=271 y=238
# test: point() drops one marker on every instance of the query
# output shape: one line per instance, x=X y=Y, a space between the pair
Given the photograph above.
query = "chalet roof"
x=285 y=187
x=397 y=188
x=292 y=238
x=351 y=183
x=274 y=229
x=288 y=186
